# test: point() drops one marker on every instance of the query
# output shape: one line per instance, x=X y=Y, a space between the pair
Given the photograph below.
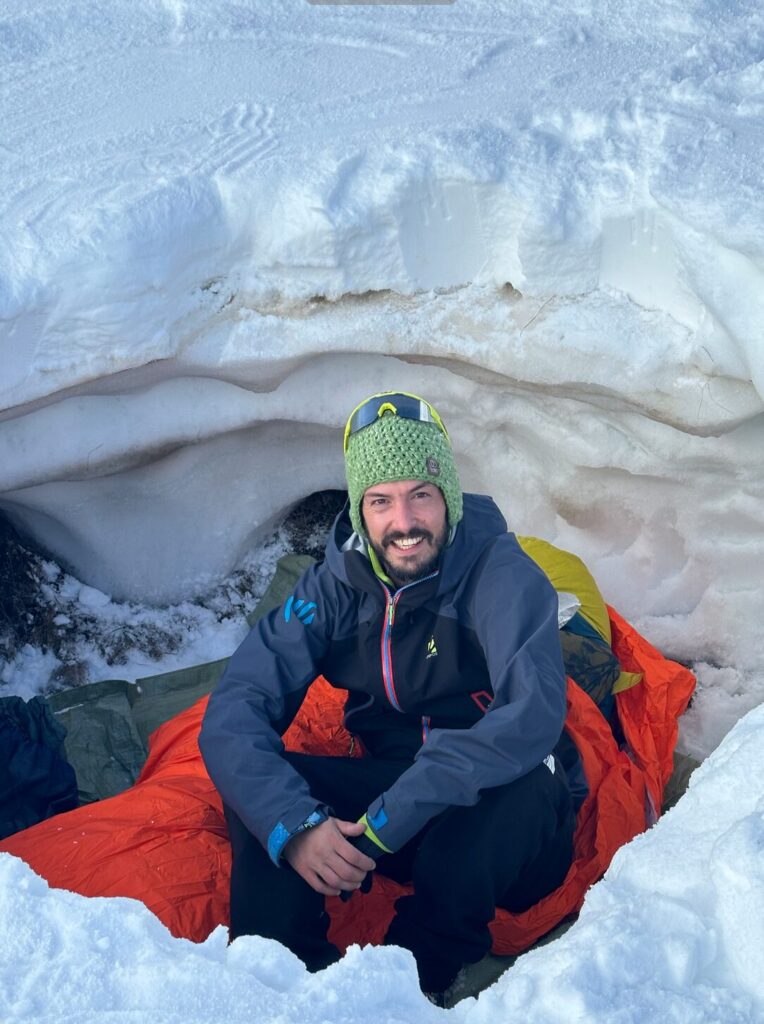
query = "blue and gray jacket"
x=460 y=674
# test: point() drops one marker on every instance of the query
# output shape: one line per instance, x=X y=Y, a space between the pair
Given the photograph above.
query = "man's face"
x=406 y=525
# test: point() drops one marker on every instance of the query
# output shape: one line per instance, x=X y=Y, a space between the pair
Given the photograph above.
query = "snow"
x=92 y=637
x=674 y=931
x=551 y=225
x=224 y=223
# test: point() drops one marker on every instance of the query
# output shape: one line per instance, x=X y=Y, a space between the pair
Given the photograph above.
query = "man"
x=445 y=635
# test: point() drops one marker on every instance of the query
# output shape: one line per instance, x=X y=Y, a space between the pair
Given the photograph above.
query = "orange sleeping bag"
x=164 y=842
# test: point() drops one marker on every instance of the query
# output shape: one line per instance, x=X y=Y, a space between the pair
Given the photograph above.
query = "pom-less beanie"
x=394 y=448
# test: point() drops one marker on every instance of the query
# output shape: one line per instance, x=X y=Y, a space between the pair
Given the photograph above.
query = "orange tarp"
x=164 y=842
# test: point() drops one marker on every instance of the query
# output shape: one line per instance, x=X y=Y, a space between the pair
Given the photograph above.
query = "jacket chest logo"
x=432 y=650
x=305 y=611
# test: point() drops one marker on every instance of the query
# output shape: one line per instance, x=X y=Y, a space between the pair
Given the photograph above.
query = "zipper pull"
x=390 y=611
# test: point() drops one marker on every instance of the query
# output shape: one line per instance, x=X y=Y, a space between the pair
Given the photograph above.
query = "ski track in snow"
x=241 y=137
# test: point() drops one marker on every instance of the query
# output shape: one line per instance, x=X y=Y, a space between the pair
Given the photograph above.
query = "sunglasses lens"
x=409 y=407
x=402 y=405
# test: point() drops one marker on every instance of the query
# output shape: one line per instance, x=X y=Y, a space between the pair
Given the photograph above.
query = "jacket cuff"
x=281 y=835
x=372 y=839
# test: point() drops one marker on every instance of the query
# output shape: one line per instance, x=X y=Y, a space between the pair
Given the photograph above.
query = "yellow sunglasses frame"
x=388 y=407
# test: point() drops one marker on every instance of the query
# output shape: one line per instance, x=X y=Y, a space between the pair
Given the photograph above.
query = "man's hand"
x=324 y=858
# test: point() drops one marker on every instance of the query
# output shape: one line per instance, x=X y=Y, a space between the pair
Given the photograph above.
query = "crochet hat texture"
x=394 y=448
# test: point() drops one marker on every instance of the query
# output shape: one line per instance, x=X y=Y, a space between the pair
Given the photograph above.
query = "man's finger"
x=335 y=885
x=353 y=856
x=350 y=828
x=320 y=885
x=348 y=873
x=359 y=861
x=364 y=887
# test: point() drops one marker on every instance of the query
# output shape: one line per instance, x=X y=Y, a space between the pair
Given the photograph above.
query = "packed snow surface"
x=674 y=932
x=223 y=224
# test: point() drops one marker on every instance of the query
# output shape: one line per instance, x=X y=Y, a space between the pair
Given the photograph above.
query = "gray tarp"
x=109 y=723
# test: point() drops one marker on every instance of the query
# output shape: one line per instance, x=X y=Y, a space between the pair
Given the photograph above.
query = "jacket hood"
x=481 y=524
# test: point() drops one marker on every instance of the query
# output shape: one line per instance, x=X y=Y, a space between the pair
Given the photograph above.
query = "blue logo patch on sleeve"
x=305 y=611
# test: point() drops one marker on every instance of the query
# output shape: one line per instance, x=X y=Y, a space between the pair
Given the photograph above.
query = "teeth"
x=408 y=543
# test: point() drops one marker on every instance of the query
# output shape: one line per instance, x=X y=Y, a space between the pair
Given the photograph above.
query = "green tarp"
x=109 y=723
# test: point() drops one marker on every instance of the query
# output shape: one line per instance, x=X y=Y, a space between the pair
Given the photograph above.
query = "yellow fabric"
x=626 y=680
x=375 y=564
x=567 y=572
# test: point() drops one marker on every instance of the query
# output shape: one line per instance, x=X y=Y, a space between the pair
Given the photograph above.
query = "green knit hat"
x=394 y=448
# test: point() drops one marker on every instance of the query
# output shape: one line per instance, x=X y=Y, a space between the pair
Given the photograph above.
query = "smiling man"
x=444 y=633
x=406 y=527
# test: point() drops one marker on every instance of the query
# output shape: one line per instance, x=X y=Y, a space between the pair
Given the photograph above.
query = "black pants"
x=509 y=850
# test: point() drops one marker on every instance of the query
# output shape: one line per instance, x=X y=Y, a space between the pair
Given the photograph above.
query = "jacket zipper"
x=386 y=649
x=386 y=640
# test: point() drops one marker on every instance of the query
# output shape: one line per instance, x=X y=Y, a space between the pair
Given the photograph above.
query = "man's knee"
x=470 y=851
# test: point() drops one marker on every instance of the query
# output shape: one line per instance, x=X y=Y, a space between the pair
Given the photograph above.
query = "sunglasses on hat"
x=395 y=403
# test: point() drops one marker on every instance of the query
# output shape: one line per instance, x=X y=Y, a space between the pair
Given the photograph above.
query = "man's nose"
x=404 y=520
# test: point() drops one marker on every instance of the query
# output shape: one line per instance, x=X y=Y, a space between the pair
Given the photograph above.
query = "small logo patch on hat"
x=433 y=466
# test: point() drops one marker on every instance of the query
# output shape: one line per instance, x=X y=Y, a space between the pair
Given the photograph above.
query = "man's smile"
x=407 y=543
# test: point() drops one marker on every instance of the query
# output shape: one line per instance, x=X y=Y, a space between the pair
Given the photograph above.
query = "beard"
x=408 y=570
